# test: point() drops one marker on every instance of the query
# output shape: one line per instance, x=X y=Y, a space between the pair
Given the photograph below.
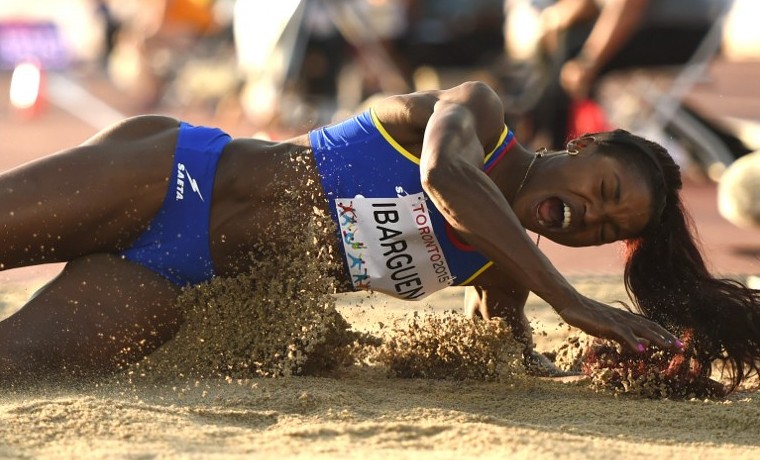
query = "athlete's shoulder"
x=481 y=100
x=410 y=113
x=405 y=116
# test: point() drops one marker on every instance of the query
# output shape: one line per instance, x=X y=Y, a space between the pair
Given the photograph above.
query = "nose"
x=596 y=213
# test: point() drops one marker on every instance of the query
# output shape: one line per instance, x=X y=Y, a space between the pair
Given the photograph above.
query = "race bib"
x=390 y=246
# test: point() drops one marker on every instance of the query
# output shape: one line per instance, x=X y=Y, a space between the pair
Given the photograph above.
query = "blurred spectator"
x=309 y=61
x=304 y=60
x=582 y=40
x=453 y=32
x=157 y=37
x=111 y=27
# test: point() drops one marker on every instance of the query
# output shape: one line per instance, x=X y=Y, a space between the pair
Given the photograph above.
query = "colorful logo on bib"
x=390 y=245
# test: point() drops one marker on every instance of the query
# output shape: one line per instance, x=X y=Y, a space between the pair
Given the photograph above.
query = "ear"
x=576 y=145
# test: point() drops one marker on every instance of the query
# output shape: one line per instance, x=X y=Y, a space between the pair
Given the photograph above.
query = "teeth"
x=568 y=216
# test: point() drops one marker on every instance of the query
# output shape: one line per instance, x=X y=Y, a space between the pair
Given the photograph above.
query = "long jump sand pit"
x=362 y=411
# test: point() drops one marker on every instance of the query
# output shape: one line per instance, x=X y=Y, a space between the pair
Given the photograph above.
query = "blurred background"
x=278 y=68
x=684 y=73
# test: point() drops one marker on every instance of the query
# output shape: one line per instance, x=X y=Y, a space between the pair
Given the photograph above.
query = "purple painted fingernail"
x=641 y=348
x=679 y=344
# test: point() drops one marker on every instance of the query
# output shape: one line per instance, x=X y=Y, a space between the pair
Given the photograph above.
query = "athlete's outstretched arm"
x=450 y=167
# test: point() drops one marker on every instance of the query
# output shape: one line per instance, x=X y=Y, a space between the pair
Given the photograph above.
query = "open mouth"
x=554 y=213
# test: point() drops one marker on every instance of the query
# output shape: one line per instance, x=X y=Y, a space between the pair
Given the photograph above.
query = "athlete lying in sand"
x=427 y=190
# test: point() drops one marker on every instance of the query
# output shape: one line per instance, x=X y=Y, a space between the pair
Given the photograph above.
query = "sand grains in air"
x=450 y=346
x=278 y=318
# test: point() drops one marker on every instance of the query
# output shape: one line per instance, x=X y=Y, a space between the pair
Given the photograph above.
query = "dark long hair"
x=668 y=281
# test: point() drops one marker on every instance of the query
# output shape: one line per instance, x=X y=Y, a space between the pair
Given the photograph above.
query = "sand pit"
x=364 y=412
x=361 y=411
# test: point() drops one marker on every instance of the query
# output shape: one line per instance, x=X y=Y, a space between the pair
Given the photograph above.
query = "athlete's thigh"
x=98 y=314
x=92 y=198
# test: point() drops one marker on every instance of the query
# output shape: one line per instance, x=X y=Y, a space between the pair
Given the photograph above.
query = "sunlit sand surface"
x=361 y=412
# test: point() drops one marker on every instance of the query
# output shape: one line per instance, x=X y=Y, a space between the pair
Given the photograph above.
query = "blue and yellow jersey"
x=394 y=239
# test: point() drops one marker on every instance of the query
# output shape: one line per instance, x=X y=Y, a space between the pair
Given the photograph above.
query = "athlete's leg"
x=93 y=198
x=98 y=314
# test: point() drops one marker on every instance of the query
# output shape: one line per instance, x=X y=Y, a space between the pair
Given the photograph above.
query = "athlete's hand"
x=576 y=78
x=629 y=329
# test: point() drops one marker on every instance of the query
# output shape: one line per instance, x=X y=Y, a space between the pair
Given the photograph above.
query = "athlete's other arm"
x=463 y=121
x=505 y=301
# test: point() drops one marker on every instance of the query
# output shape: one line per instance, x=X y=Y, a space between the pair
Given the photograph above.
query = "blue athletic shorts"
x=176 y=244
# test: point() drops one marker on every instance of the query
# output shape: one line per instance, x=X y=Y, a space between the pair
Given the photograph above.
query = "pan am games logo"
x=390 y=245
